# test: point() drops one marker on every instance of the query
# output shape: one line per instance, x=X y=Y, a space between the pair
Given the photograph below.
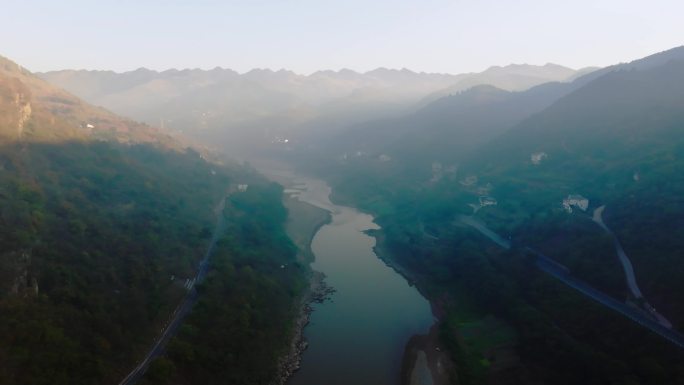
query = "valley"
x=223 y=223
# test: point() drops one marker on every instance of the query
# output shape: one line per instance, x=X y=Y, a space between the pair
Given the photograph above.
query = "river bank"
x=425 y=361
x=304 y=221
x=374 y=314
x=318 y=292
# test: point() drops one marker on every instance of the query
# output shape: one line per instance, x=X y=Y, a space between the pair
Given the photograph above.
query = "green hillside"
x=615 y=137
x=102 y=223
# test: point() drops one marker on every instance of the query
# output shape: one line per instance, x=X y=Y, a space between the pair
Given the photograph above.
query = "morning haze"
x=341 y=193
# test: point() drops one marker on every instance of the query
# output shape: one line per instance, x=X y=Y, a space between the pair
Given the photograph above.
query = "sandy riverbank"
x=304 y=221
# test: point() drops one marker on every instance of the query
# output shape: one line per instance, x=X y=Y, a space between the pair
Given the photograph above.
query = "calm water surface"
x=358 y=338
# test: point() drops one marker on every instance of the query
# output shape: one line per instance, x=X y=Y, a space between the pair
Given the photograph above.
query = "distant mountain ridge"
x=449 y=128
x=513 y=77
x=260 y=105
x=454 y=127
x=625 y=102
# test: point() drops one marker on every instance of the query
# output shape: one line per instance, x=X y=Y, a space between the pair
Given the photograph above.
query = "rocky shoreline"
x=318 y=292
x=304 y=222
x=438 y=363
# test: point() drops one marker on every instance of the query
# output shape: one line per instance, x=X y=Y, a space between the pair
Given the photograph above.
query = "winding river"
x=358 y=337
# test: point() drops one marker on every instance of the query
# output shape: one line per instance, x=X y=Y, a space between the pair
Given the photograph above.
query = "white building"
x=537 y=157
x=487 y=201
x=242 y=187
x=575 y=200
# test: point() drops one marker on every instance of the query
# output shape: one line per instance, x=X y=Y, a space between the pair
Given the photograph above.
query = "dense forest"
x=99 y=240
x=239 y=328
x=96 y=239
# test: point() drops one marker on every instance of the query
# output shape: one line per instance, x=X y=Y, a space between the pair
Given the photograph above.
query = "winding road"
x=477 y=224
x=183 y=308
x=560 y=272
x=624 y=260
x=629 y=269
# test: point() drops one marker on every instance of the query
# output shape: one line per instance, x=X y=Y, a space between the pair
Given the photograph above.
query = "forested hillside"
x=102 y=224
x=241 y=326
x=615 y=137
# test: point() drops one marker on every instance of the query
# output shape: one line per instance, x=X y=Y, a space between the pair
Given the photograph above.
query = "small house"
x=537 y=157
x=575 y=200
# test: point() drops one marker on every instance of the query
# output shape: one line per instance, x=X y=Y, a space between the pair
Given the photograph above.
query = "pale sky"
x=307 y=35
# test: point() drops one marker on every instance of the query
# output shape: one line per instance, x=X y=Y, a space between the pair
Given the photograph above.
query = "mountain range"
x=452 y=128
x=508 y=148
x=262 y=105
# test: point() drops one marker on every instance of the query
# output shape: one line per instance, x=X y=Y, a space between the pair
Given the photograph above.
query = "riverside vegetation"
x=242 y=322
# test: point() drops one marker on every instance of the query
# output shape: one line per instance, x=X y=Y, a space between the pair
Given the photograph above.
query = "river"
x=357 y=338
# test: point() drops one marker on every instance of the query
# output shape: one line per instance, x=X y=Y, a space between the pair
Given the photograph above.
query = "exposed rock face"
x=15 y=107
x=319 y=292
x=15 y=277
x=24 y=113
x=33 y=110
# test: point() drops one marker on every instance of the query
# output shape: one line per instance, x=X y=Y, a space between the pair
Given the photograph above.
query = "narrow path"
x=183 y=308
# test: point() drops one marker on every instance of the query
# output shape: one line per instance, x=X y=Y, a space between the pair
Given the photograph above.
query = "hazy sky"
x=307 y=35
